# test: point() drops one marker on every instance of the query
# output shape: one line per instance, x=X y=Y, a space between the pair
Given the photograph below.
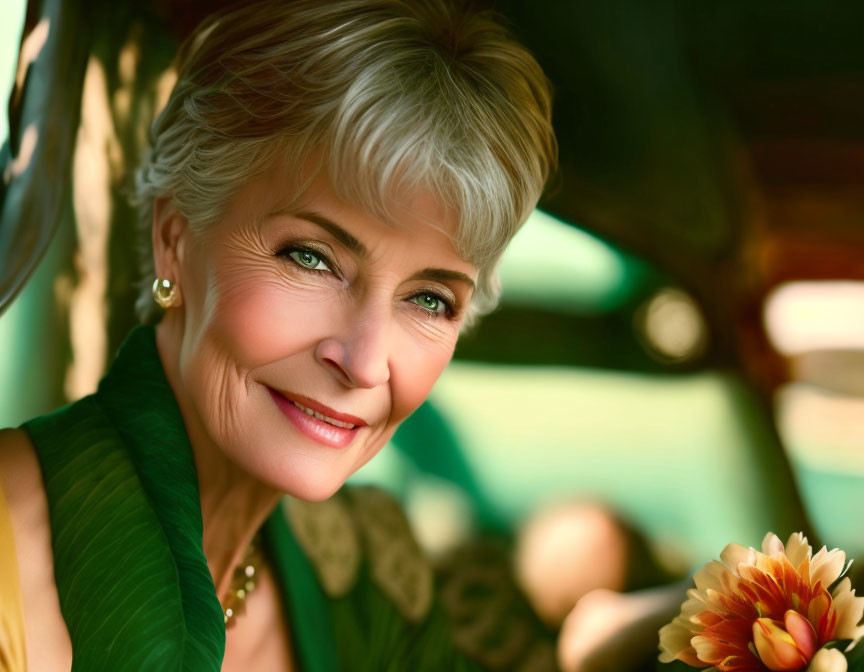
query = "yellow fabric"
x=12 y=653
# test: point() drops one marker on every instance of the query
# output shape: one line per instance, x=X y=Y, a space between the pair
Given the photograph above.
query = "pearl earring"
x=166 y=293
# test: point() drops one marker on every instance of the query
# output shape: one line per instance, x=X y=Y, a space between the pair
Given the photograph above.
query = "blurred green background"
x=640 y=357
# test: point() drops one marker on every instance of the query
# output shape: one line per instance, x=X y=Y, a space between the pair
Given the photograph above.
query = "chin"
x=313 y=492
x=309 y=481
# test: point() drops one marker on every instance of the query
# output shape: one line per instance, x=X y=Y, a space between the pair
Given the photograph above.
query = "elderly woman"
x=327 y=194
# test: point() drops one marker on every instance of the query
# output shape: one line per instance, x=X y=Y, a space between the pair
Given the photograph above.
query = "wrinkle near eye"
x=245 y=263
x=431 y=329
x=246 y=239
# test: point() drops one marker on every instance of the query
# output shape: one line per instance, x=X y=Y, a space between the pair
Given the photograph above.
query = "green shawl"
x=134 y=585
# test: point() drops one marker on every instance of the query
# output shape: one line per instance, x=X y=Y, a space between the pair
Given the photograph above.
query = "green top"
x=134 y=585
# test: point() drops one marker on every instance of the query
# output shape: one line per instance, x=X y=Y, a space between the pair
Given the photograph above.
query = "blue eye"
x=307 y=259
x=433 y=303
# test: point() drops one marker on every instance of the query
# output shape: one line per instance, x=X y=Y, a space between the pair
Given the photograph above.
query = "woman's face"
x=318 y=307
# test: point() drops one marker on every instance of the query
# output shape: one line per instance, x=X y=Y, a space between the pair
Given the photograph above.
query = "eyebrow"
x=358 y=248
x=442 y=274
x=335 y=230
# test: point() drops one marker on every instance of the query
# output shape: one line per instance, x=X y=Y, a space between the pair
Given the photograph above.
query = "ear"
x=169 y=236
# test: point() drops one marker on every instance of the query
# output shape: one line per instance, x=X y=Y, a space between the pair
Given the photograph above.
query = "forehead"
x=416 y=212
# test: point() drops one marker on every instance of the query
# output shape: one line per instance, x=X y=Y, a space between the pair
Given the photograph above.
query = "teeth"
x=316 y=414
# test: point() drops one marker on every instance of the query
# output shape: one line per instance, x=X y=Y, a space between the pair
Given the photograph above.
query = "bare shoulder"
x=24 y=491
x=21 y=481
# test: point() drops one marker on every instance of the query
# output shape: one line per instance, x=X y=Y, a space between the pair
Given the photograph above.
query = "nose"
x=359 y=355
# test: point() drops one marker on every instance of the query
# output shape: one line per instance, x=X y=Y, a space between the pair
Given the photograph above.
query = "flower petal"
x=828 y=660
x=802 y=632
x=850 y=610
x=735 y=554
x=771 y=544
x=775 y=647
x=797 y=549
x=674 y=639
x=707 y=649
x=712 y=575
x=819 y=613
x=826 y=566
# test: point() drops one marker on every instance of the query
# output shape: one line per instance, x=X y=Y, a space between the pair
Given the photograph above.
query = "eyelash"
x=450 y=312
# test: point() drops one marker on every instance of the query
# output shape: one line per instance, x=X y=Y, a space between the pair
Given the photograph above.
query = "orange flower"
x=772 y=610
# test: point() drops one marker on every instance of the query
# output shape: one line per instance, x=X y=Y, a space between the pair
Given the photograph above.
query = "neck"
x=234 y=505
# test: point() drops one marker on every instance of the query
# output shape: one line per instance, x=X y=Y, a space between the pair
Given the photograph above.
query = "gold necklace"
x=242 y=583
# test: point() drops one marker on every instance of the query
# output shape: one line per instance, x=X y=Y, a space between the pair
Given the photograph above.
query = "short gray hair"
x=394 y=94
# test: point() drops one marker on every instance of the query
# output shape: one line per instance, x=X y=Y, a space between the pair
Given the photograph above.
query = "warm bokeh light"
x=816 y=315
x=673 y=326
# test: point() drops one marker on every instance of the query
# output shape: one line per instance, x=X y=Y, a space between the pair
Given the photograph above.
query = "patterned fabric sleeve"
x=391 y=611
x=12 y=655
x=378 y=586
x=491 y=620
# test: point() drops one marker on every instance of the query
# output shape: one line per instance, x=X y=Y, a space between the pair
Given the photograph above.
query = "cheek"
x=263 y=319
x=415 y=366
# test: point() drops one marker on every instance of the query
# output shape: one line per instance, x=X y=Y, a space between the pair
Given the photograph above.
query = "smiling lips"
x=317 y=421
